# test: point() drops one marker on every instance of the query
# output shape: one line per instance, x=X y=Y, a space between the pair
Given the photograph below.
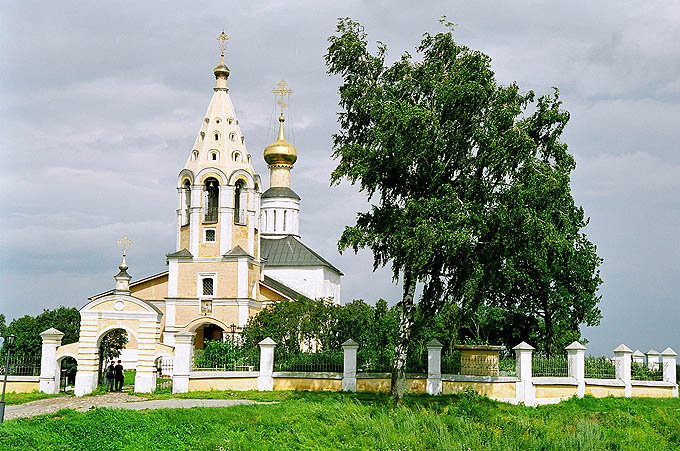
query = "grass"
x=22 y=398
x=303 y=420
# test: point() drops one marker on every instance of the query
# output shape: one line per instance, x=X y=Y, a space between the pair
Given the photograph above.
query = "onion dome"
x=280 y=151
x=221 y=70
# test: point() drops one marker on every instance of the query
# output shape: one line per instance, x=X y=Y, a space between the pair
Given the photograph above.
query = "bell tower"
x=216 y=266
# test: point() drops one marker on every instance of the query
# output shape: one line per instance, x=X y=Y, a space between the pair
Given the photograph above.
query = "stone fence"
x=524 y=387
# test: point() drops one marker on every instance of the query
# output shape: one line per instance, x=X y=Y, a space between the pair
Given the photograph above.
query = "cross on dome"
x=223 y=38
x=124 y=243
x=282 y=91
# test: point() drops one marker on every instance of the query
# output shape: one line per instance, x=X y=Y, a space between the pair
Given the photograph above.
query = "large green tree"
x=469 y=185
x=27 y=330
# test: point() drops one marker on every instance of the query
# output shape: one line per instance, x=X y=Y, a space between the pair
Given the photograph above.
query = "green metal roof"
x=289 y=251
x=184 y=253
x=280 y=287
x=237 y=252
x=279 y=191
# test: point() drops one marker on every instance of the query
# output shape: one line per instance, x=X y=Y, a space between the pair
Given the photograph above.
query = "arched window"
x=187 y=201
x=212 y=188
x=194 y=155
x=239 y=211
x=216 y=135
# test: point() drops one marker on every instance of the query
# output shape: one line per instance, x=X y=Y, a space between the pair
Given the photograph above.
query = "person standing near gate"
x=110 y=372
x=120 y=376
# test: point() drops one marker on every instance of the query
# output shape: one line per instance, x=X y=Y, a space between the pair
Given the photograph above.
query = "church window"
x=210 y=235
x=187 y=200
x=194 y=155
x=230 y=120
x=218 y=120
x=285 y=215
x=274 y=220
x=206 y=121
x=239 y=211
x=208 y=286
x=217 y=135
x=232 y=136
x=212 y=199
x=243 y=139
x=237 y=156
x=202 y=136
x=214 y=155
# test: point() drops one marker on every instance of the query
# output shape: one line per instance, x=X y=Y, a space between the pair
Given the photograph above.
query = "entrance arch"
x=140 y=319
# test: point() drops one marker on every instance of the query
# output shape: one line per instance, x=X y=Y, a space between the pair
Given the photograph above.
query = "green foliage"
x=549 y=366
x=113 y=343
x=641 y=372
x=359 y=421
x=470 y=189
x=227 y=356
x=27 y=330
x=599 y=368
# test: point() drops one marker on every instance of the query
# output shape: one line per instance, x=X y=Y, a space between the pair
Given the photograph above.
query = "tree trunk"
x=406 y=313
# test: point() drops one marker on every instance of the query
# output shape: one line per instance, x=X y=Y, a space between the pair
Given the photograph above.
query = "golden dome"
x=280 y=151
x=221 y=70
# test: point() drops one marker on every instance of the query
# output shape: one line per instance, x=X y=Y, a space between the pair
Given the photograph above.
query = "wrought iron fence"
x=230 y=359
x=372 y=362
x=21 y=366
x=557 y=366
x=451 y=363
x=164 y=374
x=600 y=368
x=642 y=372
x=331 y=361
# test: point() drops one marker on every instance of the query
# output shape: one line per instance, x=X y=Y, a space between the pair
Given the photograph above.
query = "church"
x=238 y=249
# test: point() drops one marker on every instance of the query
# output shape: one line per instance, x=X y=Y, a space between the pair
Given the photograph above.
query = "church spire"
x=221 y=70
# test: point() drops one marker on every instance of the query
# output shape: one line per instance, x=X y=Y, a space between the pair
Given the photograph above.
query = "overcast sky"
x=100 y=103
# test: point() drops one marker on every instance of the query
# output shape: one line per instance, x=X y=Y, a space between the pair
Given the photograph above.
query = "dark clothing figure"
x=120 y=376
x=110 y=373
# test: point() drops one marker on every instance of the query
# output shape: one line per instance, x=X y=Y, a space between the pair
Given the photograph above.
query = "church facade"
x=238 y=249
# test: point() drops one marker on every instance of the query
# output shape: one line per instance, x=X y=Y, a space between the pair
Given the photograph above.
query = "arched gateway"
x=119 y=310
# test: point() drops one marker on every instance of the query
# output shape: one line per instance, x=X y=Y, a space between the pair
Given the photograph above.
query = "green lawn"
x=21 y=398
x=348 y=421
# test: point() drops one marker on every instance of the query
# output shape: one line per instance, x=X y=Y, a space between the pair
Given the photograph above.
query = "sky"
x=100 y=103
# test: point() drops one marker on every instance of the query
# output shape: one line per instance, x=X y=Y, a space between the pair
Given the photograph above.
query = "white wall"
x=312 y=281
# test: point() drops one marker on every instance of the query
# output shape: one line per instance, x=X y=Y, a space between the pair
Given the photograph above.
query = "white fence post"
x=49 y=373
x=638 y=357
x=525 y=391
x=652 y=359
x=669 y=359
x=623 y=355
x=265 y=381
x=184 y=350
x=576 y=360
x=349 y=367
x=434 y=367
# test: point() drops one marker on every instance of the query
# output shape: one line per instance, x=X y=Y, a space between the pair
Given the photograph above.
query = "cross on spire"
x=124 y=243
x=223 y=38
x=282 y=91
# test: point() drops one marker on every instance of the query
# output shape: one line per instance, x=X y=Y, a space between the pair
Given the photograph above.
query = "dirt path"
x=116 y=400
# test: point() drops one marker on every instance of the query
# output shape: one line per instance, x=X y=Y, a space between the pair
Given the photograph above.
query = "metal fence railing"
x=556 y=366
x=238 y=359
x=331 y=361
x=600 y=368
x=21 y=366
x=642 y=372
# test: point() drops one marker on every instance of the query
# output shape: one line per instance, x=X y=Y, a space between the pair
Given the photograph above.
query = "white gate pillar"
x=265 y=381
x=576 y=361
x=669 y=359
x=434 y=367
x=524 y=389
x=349 y=367
x=623 y=355
x=49 y=373
x=184 y=350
